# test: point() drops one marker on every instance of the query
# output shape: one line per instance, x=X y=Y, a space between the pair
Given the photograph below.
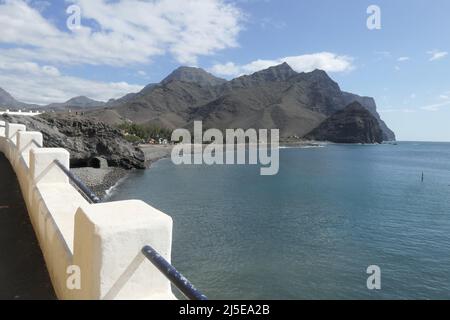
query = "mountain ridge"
x=276 y=97
x=80 y=102
x=195 y=75
x=7 y=100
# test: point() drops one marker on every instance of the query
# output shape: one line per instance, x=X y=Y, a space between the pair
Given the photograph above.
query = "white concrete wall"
x=102 y=241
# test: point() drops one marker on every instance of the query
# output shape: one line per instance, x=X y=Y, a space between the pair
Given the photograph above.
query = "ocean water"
x=311 y=231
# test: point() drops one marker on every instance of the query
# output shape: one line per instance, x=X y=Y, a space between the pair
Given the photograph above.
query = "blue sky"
x=123 y=45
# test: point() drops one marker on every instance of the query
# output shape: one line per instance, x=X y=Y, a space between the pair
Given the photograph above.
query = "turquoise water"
x=311 y=231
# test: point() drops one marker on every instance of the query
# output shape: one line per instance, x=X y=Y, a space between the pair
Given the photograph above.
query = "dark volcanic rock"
x=194 y=75
x=369 y=104
x=354 y=124
x=84 y=139
x=282 y=72
x=274 y=98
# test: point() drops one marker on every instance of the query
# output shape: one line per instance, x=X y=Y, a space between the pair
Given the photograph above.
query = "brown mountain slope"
x=353 y=124
x=277 y=97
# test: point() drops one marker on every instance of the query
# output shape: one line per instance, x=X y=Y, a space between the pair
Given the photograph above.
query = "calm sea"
x=311 y=231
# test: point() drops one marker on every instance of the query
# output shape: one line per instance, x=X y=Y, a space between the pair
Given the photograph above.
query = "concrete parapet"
x=11 y=130
x=102 y=241
x=107 y=248
x=43 y=168
x=27 y=141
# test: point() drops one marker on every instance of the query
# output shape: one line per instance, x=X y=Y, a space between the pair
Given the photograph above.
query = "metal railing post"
x=172 y=274
x=79 y=184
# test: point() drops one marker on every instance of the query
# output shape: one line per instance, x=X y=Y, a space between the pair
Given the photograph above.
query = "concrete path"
x=23 y=274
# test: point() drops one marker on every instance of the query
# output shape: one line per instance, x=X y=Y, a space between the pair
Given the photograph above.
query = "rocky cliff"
x=353 y=124
x=277 y=97
x=86 y=140
x=370 y=104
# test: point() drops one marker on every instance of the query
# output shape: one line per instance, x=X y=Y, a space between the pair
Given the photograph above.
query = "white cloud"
x=326 y=61
x=382 y=55
x=32 y=83
x=10 y=64
x=437 y=54
x=403 y=59
x=435 y=106
x=130 y=31
x=386 y=54
x=226 y=69
x=392 y=110
x=444 y=101
x=269 y=23
x=126 y=32
x=51 y=71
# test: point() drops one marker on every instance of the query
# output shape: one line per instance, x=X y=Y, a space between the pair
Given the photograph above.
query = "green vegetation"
x=138 y=133
x=133 y=139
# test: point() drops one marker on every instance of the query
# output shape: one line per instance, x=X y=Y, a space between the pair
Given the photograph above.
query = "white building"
x=20 y=113
x=163 y=141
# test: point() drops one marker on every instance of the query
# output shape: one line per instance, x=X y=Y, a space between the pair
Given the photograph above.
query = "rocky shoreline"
x=87 y=141
x=102 y=180
x=90 y=144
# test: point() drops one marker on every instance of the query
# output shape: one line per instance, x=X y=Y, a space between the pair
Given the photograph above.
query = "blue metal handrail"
x=88 y=193
x=175 y=277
